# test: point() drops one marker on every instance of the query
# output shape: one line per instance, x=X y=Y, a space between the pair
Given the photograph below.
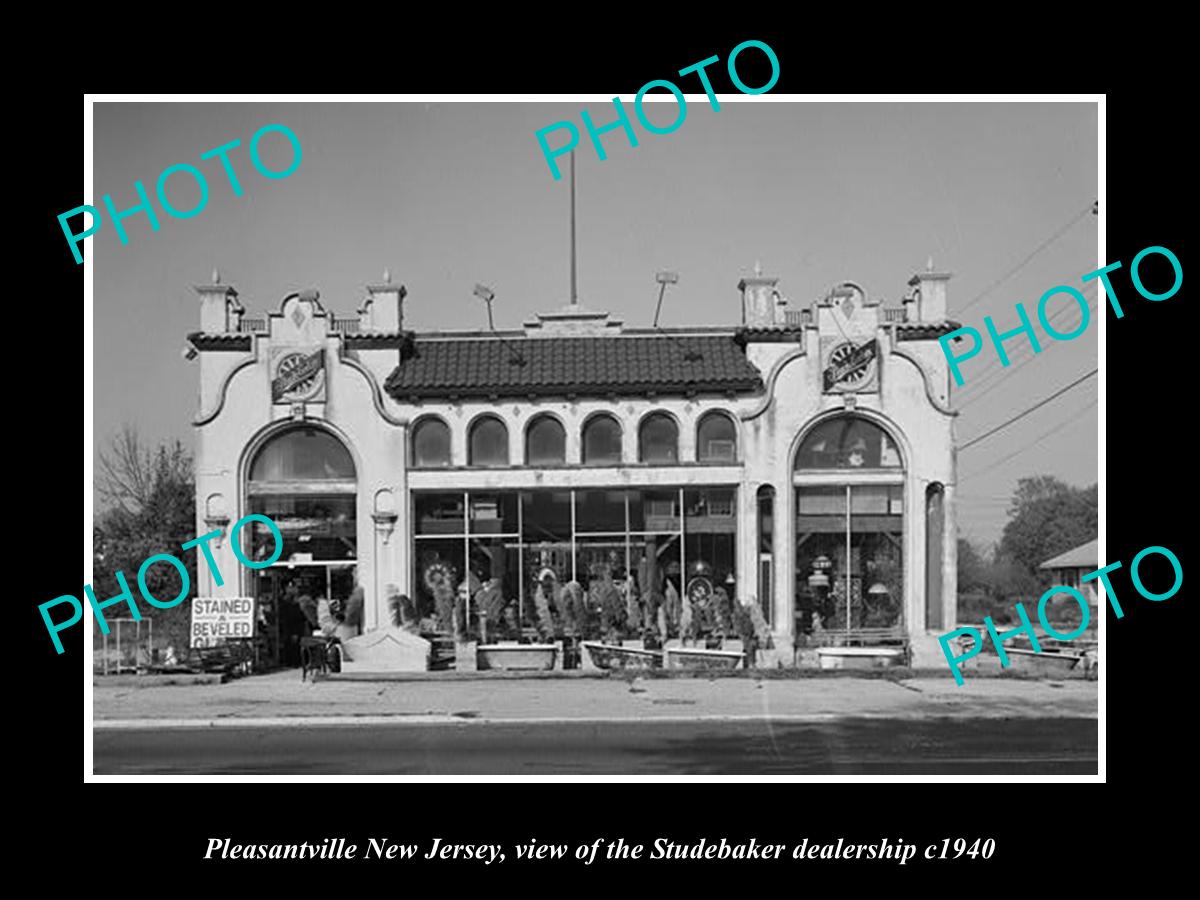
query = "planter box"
x=698 y=658
x=860 y=657
x=1046 y=663
x=510 y=657
x=610 y=656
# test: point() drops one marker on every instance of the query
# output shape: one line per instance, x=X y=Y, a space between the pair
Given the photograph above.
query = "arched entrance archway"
x=848 y=478
x=304 y=479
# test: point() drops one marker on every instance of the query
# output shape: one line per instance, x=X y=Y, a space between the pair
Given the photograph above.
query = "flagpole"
x=574 y=294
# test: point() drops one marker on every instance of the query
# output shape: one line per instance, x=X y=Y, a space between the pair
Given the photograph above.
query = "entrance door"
x=288 y=596
x=303 y=479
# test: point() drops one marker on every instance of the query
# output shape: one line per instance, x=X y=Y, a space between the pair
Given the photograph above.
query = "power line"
x=1036 y=250
x=1035 y=406
x=993 y=369
x=998 y=379
x=1035 y=442
x=992 y=366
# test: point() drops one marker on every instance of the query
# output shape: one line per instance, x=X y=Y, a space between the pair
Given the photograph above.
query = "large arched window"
x=658 y=439
x=716 y=438
x=430 y=442
x=303 y=480
x=302 y=454
x=545 y=442
x=848 y=442
x=487 y=442
x=601 y=441
x=849 y=532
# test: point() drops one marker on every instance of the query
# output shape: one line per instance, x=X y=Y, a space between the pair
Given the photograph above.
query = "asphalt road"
x=958 y=746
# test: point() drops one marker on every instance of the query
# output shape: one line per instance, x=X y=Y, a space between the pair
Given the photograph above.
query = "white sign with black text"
x=218 y=618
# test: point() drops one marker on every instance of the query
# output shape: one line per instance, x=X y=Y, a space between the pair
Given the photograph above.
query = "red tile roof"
x=582 y=366
x=219 y=340
x=925 y=331
x=378 y=340
x=771 y=334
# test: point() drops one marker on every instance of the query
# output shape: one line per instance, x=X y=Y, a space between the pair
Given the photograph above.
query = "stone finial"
x=387 y=276
x=216 y=276
x=929 y=263
x=757 y=269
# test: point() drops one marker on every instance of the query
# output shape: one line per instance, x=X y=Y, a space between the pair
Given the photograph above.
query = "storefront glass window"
x=716 y=439
x=849 y=568
x=547 y=560
x=488 y=442
x=601 y=441
x=606 y=564
x=494 y=513
x=439 y=514
x=496 y=587
x=600 y=511
x=876 y=533
x=546 y=515
x=656 y=511
x=440 y=571
x=431 y=443
x=849 y=537
x=545 y=442
x=710 y=549
x=602 y=567
x=315 y=528
x=658 y=439
x=656 y=563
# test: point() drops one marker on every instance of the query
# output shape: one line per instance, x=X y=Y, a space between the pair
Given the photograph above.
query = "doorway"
x=287 y=598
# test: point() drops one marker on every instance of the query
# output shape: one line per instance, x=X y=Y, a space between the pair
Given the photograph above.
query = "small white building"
x=803 y=461
x=1069 y=568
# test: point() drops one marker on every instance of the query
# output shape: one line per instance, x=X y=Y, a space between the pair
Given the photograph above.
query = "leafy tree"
x=973 y=570
x=1011 y=583
x=1046 y=517
x=149 y=508
x=988 y=587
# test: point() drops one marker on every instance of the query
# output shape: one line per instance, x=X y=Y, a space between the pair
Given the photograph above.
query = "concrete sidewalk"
x=281 y=696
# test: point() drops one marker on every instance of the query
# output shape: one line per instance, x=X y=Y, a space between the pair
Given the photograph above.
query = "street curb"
x=890 y=674
x=486 y=675
x=146 y=681
x=463 y=721
x=789 y=674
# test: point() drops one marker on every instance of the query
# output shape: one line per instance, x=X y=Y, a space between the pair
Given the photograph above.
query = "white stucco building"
x=803 y=460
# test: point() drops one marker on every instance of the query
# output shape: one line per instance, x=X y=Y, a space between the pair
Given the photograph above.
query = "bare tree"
x=148 y=506
x=126 y=476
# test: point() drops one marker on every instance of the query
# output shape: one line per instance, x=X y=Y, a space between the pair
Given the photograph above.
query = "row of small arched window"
x=313 y=454
x=546 y=441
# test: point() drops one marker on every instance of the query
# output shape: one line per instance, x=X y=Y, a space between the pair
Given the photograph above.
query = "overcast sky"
x=449 y=194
